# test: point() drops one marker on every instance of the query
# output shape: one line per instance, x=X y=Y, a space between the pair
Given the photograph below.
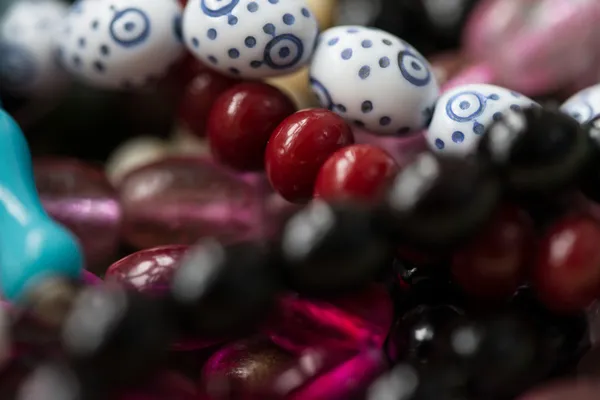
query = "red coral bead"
x=567 y=271
x=298 y=149
x=360 y=172
x=493 y=265
x=199 y=97
x=241 y=122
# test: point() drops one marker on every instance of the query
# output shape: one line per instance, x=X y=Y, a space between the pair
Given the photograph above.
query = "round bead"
x=363 y=74
x=250 y=39
x=133 y=154
x=567 y=271
x=28 y=30
x=121 y=45
x=198 y=99
x=463 y=114
x=298 y=148
x=241 y=122
x=360 y=172
x=584 y=106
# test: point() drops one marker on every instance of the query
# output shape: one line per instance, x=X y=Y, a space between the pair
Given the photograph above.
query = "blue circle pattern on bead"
x=413 y=68
x=130 y=27
x=283 y=51
x=467 y=106
x=322 y=94
x=17 y=66
x=215 y=9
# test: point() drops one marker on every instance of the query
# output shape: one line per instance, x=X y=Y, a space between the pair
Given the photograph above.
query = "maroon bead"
x=345 y=324
x=493 y=264
x=182 y=199
x=299 y=147
x=167 y=385
x=148 y=271
x=241 y=122
x=199 y=97
x=358 y=172
x=567 y=271
x=79 y=196
x=243 y=370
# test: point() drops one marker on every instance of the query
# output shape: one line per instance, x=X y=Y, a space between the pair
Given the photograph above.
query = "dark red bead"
x=567 y=271
x=359 y=172
x=241 y=122
x=493 y=264
x=298 y=149
x=199 y=97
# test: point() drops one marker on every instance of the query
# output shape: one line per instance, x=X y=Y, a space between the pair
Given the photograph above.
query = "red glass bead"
x=299 y=147
x=243 y=370
x=567 y=270
x=241 y=122
x=79 y=196
x=359 y=172
x=182 y=199
x=199 y=97
x=493 y=264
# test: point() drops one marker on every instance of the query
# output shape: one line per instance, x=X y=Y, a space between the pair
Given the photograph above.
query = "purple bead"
x=182 y=199
x=79 y=196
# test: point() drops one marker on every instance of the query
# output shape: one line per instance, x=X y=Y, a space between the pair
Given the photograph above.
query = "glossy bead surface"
x=133 y=154
x=539 y=152
x=463 y=114
x=567 y=272
x=383 y=69
x=437 y=202
x=328 y=249
x=121 y=46
x=584 y=106
x=298 y=148
x=241 y=122
x=27 y=49
x=255 y=39
x=180 y=200
x=79 y=196
x=494 y=264
x=358 y=172
x=198 y=99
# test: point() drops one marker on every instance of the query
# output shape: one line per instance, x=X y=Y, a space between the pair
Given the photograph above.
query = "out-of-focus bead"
x=184 y=142
x=296 y=86
x=79 y=196
x=324 y=11
x=179 y=200
x=133 y=154
x=584 y=106
x=575 y=390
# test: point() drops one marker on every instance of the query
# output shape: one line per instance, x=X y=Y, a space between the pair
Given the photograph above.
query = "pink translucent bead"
x=182 y=199
x=403 y=149
x=536 y=46
x=79 y=196
x=151 y=271
x=576 y=390
x=476 y=73
x=349 y=323
x=91 y=279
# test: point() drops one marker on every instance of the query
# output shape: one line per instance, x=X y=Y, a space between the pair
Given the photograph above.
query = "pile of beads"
x=405 y=237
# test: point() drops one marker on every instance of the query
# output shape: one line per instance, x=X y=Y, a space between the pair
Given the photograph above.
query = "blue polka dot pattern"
x=252 y=7
x=497 y=116
x=341 y=108
x=333 y=41
x=99 y=66
x=130 y=27
x=493 y=96
x=269 y=29
x=352 y=30
x=234 y=71
x=255 y=64
x=305 y=12
x=458 y=137
x=347 y=54
x=403 y=131
x=273 y=1
x=366 y=106
x=384 y=62
x=211 y=34
x=364 y=72
x=233 y=53
x=213 y=59
x=81 y=42
x=478 y=128
x=250 y=42
x=439 y=143
x=288 y=19
x=104 y=50
x=387 y=42
x=515 y=107
x=195 y=42
x=385 y=121
x=232 y=20
x=366 y=44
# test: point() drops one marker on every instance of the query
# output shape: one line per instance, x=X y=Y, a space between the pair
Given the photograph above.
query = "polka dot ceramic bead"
x=585 y=105
x=27 y=49
x=373 y=79
x=464 y=113
x=251 y=39
x=121 y=44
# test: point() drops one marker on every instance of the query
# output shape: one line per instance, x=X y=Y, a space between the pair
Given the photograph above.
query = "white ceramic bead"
x=584 y=105
x=251 y=39
x=373 y=79
x=28 y=63
x=121 y=44
x=464 y=113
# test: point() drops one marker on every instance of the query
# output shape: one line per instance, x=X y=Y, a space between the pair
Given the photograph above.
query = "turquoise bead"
x=33 y=247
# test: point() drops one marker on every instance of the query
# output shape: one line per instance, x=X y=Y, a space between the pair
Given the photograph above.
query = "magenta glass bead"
x=90 y=279
x=351 y=323
x=79 y=196
x=179 y=200
x=150 y=271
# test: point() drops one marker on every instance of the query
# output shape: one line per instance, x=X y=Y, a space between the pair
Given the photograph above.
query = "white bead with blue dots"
x=463 y=114
x=250 y=38
x=121 y=44
x=584 y=106
x=28 y=64
x=374 y=80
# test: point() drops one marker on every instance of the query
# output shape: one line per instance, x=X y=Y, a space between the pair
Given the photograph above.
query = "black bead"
x=538 y=152
x=590 y=182
x=220 y=289
x=113 y=337
x=435 y=203
x=330 y=248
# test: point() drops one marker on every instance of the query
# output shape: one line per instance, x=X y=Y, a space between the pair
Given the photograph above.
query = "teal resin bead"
x=33 y=247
